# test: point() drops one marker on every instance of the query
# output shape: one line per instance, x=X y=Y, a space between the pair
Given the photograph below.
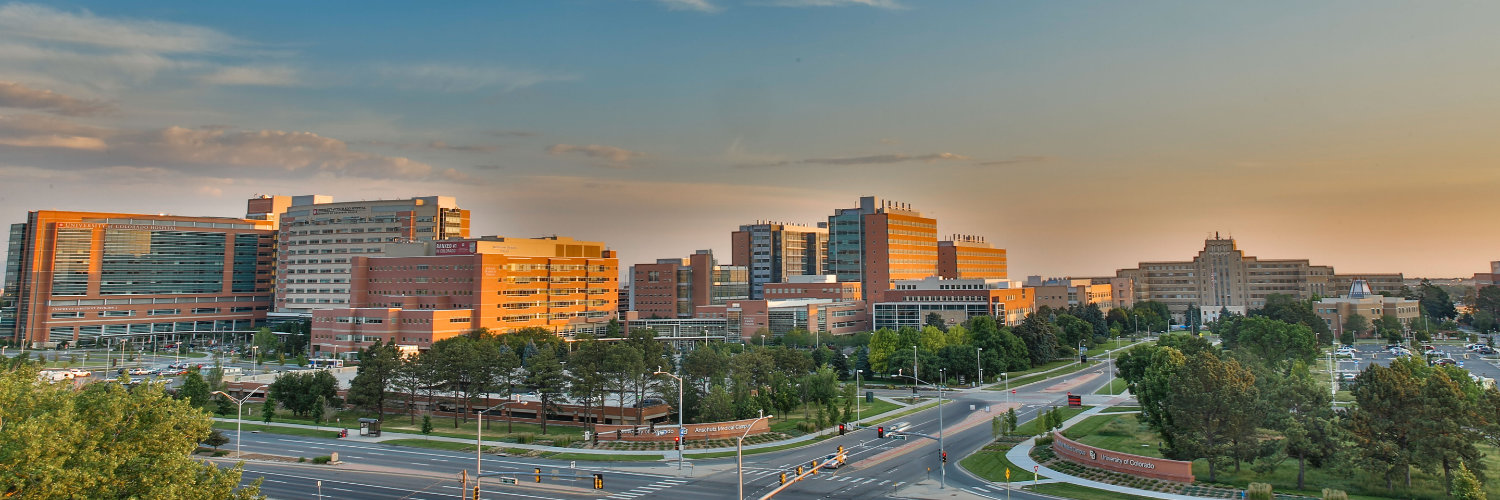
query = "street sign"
x=511 y=480
x=682 y=431
x=1007 y=473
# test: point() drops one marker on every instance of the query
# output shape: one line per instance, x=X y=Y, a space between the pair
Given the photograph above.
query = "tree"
x=426 y=425
x=1356 y=324
x=718 y=406
x=545 y=374
x=1040 y=337
x=1305 y=418
x=1271 y=340
x=1447 y=426
x=586 y=380
x=1011 y=420
x=1206 y=413
x=1465 y=486
x=216 y=438
x=1385 y=418
x=1291 y=310
x=1436 y=303
x=194 y=390
x=105 y=441
x=299 y=392
x=935 y=320
x=379 y=367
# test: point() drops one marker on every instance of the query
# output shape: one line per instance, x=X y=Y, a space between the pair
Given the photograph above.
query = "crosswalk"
x=650 y=489
x=775 y=476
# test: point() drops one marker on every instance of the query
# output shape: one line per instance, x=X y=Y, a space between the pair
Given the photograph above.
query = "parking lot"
x=1368 y=354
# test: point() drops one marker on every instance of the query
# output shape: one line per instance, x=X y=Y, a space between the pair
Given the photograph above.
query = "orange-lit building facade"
x=814 y=287
x=954 y=300
x=970 y=257
x=81 y=277
x=501 y=284
x=900 y=244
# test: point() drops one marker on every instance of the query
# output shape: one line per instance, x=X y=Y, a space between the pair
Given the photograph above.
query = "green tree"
x=1465 y=486
x=1011 y=421
x=1436 y=303
x=268 y=410
x=1384 y=421
x=1303 y=413
x=194 y=390
x=426 y=425
x=935 y=320
x=1356 y=324
x=216 y=438
x=1346 y=337
x=299 y=392
x=1447 y=426
x=378 y=368
x=545 y=374
x=1271 y=340
x=1206 y=412
x=1040 y=337
x=105 y=441
x=586 y=380
x=265 y=341
x=718 y=406
x=1289 y=309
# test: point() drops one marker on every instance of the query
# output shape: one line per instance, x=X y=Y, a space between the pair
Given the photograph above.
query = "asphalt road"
x=875 y=467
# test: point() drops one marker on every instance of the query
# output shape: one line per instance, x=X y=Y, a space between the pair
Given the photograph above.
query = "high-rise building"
x=1222 y=275
x=318 y=239
x=674 y=288
x=880 y=242
x=774 y=252
x=1491 y=278
x=502 y=284
x=968 y=256
x=84 y=277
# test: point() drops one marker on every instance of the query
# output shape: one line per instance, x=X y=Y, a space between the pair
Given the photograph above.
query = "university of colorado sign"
x=1159 y=468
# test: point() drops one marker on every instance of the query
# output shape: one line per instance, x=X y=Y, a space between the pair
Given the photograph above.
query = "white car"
x=139 y=371
x=79 y=373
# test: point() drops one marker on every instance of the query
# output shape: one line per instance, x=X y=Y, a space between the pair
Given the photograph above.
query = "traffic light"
x=814 y=467
x=677 y=442
x=538 y=474
x=841 y=429
x=841 y=449
x=799 y=471
x=598 y=481
x=945 y=456
x=783 y=478
x=880 y=432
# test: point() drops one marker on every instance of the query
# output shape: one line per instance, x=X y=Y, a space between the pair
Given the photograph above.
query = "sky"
x=1084 y=137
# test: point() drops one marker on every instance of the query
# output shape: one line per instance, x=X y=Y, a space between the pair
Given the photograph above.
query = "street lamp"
x=857 y=388
x=739 y=451
x=479 y=449
x=238 y=415
x=944 y=465
x=980 y=366
x=680 y=434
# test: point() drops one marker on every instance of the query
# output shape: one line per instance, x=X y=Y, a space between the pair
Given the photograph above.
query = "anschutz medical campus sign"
x=1159 y=468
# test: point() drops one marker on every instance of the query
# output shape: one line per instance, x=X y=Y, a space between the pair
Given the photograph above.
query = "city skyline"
x=1305 y=131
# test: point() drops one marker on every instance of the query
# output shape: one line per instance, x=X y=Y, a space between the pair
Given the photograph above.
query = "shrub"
x=301 y=459
x=1259 y=491
x=1044 y=440
x=525 y=438
x=562 y=442
x=1332 y=494
x=220 y=453
x=322 y=460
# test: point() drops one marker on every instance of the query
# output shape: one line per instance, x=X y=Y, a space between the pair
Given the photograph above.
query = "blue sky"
x=1083 y=136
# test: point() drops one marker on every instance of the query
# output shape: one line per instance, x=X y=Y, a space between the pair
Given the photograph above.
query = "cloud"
x=513 y=133
x=436 y=145
x=37 y=22
x=40 y=131
x=882 y=4
x=866 y=160
x=693 y=5
x=462 y=78
x=270 y=76
x=889 y=141
x=15 y=95
x=611 y=153
x=1017 y=160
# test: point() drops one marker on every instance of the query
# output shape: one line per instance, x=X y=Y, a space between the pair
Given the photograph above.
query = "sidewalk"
x=672 y=454
x=1021 y=456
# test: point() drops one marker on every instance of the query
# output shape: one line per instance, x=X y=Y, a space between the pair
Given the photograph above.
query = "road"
x=875 y=467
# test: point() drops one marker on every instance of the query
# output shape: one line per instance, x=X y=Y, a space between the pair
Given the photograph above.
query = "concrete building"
x=503 y=284
x=1491 y=278
x=1222 y=275
x=1062 y=293
x=970 y=257
x=775 y=252
x=1362 y=300
x=673 y=288
x=80 y=277
x=880 y=242
x=745 y=318
x=825 y=287
x=955 y=300
x=319 y=238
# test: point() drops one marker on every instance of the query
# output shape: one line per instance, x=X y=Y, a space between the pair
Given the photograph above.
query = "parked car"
x=1485 y=350
x=79 y=373
x=139 y=371
x=1448 y=362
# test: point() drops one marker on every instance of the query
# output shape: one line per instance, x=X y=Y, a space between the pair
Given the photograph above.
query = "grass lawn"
x=1066 y=490
x=990 y=464
x=888 y=418
x=1360 y=485
x=269 y=429
x=1115 y=387
x=1122 y=433
x=787 y=424
x=441 y=426
x=1098 y=350
x=1033 y=427
x=435 y=445
x=722 y=454
x=1030 y=379
x=597 y=457
x=1121 y=409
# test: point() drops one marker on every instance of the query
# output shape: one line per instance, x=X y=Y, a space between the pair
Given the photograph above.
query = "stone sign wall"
x=1156 y=468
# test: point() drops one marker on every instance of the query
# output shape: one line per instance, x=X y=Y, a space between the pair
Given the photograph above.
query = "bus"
x=325 y=363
